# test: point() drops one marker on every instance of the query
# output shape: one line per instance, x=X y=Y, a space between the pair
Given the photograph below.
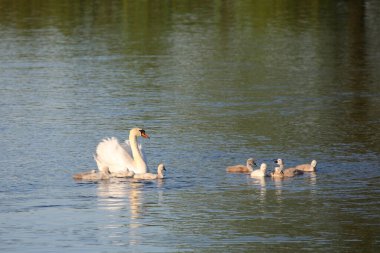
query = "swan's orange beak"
x=145 y=135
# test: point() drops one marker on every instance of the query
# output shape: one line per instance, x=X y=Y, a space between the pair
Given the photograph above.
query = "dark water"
x=213 y=83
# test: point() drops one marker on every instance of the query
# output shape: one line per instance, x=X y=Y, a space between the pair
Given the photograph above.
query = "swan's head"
x=161 y=168
x=139 y=132
x=279 y=161
x=263 y=167
x=314 y=163
x=251 y=162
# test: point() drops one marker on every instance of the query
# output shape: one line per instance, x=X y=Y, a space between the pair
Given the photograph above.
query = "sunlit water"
x=213 y=83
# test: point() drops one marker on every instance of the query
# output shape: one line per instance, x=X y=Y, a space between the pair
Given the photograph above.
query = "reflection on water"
x=122 y=198
x=313 y=179
x=126 y=209
x=213 y=82
x=114 y=193
x=261 y=183
x=278 y=188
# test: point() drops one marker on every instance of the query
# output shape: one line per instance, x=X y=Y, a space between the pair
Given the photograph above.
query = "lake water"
x=213 y=83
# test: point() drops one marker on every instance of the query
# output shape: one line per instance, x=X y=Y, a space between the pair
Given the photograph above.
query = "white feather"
x=115 y=157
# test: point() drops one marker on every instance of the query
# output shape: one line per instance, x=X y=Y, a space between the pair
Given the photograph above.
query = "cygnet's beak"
x=275 y=160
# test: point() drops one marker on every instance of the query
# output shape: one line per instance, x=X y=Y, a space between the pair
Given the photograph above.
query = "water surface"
x=213 y=83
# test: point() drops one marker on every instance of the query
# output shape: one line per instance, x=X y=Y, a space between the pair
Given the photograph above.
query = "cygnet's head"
x=161 y=168
x=263 y=167
x=279 y=161
x=314 y=163
x=251 y=162
x=139 y=132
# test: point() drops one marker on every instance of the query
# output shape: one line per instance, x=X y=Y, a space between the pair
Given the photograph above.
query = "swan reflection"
x=114 y=195
x=118 y=197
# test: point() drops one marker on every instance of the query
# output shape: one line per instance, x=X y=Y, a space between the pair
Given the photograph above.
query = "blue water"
x=212 y=84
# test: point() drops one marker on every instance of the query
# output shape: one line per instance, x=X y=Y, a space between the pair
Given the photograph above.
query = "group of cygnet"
x=279 y=172
x=99 y=175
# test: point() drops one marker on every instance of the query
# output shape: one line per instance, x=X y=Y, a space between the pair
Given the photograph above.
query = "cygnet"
x=91 y=175
x=151 y=176
x=277 y=173
x=124 y=174
x=241 y=168
x=289 y=172
x=308 y=167
x=260 y=172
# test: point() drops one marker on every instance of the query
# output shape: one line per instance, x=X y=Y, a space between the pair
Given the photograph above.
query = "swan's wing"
x=113 y=155
x=142 y=153
x=127 y=146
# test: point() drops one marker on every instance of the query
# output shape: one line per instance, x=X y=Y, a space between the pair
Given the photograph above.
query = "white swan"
x=241 y=168
x=260 y=172
x=151 y=176
x=113 y=157
x=311 y=167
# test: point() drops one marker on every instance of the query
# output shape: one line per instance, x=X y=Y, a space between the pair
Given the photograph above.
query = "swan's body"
x=290 y=172
x=113 y=157
x=248 y=168
x=260 y=172
x=308 y=167
x=151 y=176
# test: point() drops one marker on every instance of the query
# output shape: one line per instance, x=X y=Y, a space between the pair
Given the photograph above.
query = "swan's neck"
x=139 y=161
